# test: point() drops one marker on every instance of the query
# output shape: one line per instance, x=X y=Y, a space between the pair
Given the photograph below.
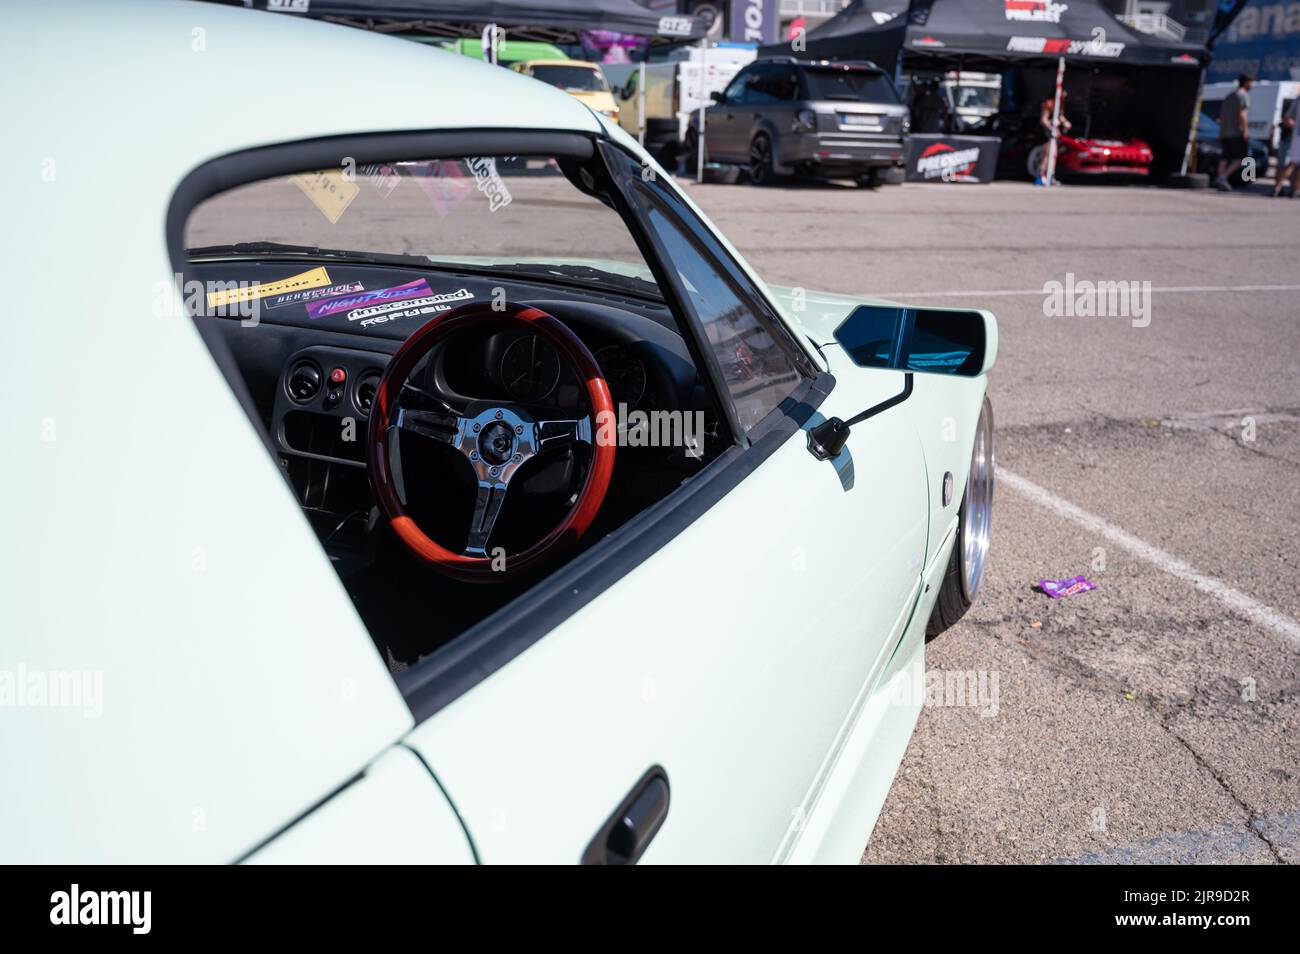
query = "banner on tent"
x=939 y=158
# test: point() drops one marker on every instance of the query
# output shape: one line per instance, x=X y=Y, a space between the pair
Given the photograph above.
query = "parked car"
x=781 y=116
x=675 y=88
x=366 y=516
x=1126 y=158
x=1076 y=157
x=1209 y=151
x=583 y=81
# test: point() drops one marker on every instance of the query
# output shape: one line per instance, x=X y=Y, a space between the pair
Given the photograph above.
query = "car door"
x=771 y=106
x=703 y=694
x=720 y=125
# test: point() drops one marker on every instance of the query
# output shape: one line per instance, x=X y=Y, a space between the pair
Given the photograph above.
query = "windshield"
x=856 y=85
x=497 y=215
x=580 y=79
x=975 y=97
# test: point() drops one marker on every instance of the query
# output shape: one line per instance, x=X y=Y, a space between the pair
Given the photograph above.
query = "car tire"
x=869 y=179
x=690 y=152
x=894 y=175
x=760 y=161
x=1034 y=161
x=969 y=559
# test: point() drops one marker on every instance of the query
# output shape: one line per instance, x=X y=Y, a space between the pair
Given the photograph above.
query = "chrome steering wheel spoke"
x=561 y=433
x=487 y=507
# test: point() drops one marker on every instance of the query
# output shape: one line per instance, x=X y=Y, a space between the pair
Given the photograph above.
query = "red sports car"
x=1095 y=157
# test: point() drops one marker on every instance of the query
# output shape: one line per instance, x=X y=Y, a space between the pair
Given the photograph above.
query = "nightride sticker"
x=332 y=306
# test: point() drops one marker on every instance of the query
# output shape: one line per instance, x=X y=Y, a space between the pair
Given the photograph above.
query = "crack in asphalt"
x=1086 y=678
x=1252 y=815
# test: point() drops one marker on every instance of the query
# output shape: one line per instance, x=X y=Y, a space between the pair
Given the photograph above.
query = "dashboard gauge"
x=624 y=373
x=530 y=368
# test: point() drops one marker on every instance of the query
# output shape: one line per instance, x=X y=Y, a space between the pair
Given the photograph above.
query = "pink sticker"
x=1057 y=589
x=446 y=186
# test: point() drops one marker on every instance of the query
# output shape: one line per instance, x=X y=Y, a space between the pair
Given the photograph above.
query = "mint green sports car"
x=406 y=470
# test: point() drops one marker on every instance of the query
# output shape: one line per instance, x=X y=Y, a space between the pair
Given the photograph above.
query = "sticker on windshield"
x=489 y=181
x=329 y=190
x=411 y=308
x=332 y=306
x=309 y=279
x=311 y=294
x=445 y=185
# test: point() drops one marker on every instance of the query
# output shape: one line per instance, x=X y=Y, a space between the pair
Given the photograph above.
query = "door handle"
x=626 y=833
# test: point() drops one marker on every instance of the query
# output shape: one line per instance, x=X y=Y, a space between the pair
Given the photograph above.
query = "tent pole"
x=699 y=164
x=1056 y=122
x=640 y=104
x=490 y=43
x=1190 y=151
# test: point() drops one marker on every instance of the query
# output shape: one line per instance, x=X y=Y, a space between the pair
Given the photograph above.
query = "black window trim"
x=487 y=646
x=734 y=278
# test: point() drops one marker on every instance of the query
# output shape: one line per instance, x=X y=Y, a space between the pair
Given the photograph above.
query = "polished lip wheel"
x=977 y=510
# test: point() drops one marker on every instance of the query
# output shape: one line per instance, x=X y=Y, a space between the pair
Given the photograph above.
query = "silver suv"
x=784 y=116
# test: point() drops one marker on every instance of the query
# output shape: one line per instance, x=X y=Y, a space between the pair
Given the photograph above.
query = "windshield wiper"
x=281 y=249
x=584 y=274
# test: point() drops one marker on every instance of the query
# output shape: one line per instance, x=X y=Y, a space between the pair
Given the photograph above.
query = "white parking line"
x=1252 y=609
x=1011 y=292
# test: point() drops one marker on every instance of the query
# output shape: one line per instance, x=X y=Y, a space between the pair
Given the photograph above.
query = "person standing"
x=1290 y=172
x=1045 y=121
x=1232 y=131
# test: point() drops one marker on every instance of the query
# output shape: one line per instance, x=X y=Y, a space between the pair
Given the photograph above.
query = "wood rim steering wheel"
x=497 y=439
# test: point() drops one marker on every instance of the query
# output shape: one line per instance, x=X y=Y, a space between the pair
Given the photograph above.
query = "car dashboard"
x=312 y=367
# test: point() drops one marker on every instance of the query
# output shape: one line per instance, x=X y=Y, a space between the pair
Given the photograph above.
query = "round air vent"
x=304 y=381
x=363 y=395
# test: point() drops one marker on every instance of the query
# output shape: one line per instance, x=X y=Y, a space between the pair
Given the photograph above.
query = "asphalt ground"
x=1153 y=719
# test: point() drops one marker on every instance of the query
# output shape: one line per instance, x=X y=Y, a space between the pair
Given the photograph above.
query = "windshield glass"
x=975 y=97
x=505 y=215
x=582 y=79
x=857 y=85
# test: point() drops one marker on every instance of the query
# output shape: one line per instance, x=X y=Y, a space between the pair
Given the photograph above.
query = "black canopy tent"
x=1000 y=31
x=554 y=21
x=1120 y=83
x=1136 y=84
x=864 y=30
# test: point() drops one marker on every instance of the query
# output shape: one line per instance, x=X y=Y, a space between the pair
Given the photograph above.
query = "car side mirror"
x=715 y=96
x=958 y=341
x=953 y=341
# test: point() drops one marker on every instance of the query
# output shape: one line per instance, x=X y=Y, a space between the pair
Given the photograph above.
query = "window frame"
x=690 y=226
x=481 y=650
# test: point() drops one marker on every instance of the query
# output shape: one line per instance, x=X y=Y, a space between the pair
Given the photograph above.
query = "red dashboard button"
x=338 y=376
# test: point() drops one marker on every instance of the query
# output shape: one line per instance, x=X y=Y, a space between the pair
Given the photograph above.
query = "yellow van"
x=582 y=80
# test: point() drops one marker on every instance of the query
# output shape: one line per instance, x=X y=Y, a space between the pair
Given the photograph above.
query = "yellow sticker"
x=330 y=190
x=312 y=279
